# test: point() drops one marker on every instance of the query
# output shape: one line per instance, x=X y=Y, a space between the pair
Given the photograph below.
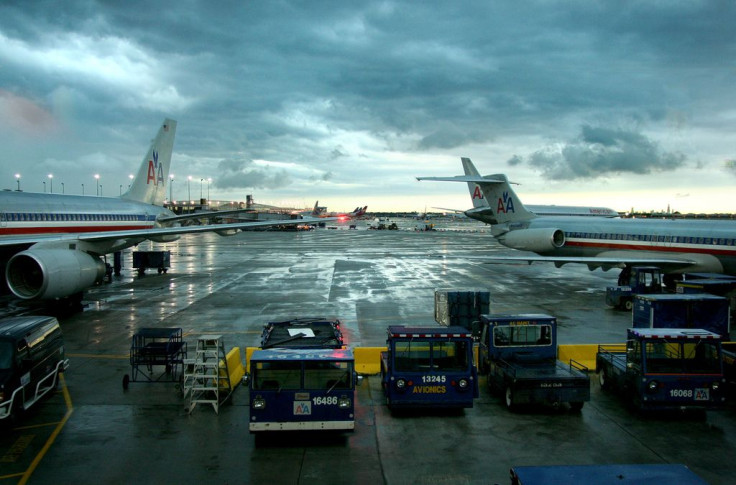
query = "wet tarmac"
x=94 y=432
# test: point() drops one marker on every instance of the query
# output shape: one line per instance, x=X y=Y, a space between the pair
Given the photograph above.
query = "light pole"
x=51 y=183
x=189 y=188
x=130 y=177
x=44 y=186
x=209 y=181
x=62 y=188
x=17 y=179
x=200 y=189
x=97 y=179
x=82 y=189
x=121 y=189
x=171 y=188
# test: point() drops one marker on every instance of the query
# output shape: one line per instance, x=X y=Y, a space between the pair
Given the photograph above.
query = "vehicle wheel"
x=576 y=406
x=126 y=382
x=628 y=305
x=509 y=399
x=603 y=379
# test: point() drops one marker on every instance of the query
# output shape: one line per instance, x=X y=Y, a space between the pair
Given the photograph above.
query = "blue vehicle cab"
x=429 y=367
x=302 y=389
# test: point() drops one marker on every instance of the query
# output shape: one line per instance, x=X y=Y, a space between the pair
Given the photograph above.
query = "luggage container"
x=461 y=307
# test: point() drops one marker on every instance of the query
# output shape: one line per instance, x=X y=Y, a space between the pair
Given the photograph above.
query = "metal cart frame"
x=156 y=347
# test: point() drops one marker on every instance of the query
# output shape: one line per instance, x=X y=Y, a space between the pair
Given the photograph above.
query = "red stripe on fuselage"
x=26 y=231
x=701 y=249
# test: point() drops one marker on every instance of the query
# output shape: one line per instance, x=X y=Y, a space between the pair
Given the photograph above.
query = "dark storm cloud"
x=322 y=84
x=242 y=173
x=599 y=152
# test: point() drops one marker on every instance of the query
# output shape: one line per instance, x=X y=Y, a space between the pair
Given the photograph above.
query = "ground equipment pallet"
x=156 y=347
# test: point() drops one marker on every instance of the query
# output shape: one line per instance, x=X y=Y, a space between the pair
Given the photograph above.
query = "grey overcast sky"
x=618 y=103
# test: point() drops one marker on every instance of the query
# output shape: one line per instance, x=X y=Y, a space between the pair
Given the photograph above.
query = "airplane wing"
x=153 y=233
x=202 y=215
x=602 y=262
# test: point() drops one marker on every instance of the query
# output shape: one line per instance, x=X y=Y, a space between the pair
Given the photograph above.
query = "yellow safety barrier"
x=368 y=359
x=582 y=353
x=234 y=366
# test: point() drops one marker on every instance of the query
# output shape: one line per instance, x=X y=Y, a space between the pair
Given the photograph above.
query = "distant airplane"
x=51 y=245
x=676 y=246
x=482 y=212
x=322 y=212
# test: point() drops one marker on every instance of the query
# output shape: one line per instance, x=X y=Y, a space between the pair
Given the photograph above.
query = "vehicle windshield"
x=277 y=375
x=522 y=335
x=6 y=355
x=327 y=375
x=693 y=357
x=418 y=355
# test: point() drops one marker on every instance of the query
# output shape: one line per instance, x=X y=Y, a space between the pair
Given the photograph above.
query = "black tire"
x=509 y=399
x=603 y=380
x=126 y=382
x=628 y=305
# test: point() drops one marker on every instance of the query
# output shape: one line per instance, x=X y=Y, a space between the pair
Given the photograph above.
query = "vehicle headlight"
x=259 y=403
x=653 y=385
x=715 y=386
x=400 y=384
x=343 y=402
x=462 y=383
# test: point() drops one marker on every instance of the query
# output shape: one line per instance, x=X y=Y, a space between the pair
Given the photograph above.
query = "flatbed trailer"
x=665 y=369
x=519 y=355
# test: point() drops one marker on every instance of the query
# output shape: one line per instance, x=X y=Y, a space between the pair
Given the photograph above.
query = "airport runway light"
x=17 y=179
x=51 y=183
x=97 y=179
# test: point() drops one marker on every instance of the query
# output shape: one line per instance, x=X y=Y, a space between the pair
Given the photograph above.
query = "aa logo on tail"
x=477 y=194
x=155 y=170
x=505 y=204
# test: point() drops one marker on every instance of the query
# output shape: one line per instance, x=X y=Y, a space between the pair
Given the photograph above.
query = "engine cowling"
x=535 y=240
x=52 y=273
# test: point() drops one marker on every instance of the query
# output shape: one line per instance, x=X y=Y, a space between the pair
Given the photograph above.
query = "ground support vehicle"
x=663 y=368
x=461 y=307
x=702 y=310
x=519 y=354
x=639 y=280
x=156 y=347
x=303 y=333
x=160 y=260
x=31 y=358
x=429 y=367
x=729 y=367
x=605 y=475
x=302 y=389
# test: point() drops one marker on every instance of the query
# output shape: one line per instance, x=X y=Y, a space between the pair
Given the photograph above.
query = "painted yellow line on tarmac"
x=54 y=434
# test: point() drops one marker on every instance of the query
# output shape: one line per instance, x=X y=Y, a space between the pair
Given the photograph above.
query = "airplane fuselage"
x=710 y=243
x=24 y=213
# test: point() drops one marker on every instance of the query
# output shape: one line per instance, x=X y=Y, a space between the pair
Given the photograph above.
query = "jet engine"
x=52 y=273
x=535 y=240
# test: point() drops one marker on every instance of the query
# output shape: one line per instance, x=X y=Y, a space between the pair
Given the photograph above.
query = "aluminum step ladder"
x=206 y=377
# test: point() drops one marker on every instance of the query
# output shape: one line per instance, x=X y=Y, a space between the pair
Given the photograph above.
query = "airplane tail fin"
x=476 y=194
x=149 y=184
x=501 y=204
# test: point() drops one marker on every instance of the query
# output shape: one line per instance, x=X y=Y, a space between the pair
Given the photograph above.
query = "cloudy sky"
x=622 y=103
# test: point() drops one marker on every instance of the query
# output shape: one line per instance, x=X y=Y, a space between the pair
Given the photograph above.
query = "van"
x=31 y=358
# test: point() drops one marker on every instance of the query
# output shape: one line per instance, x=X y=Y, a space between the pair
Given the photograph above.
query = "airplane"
x=51 y=245
x=676 y=246
x=481 y=210
x=318 y=211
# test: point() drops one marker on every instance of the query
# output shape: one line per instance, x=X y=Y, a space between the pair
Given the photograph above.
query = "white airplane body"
x=677 y=246
x=51 y=244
